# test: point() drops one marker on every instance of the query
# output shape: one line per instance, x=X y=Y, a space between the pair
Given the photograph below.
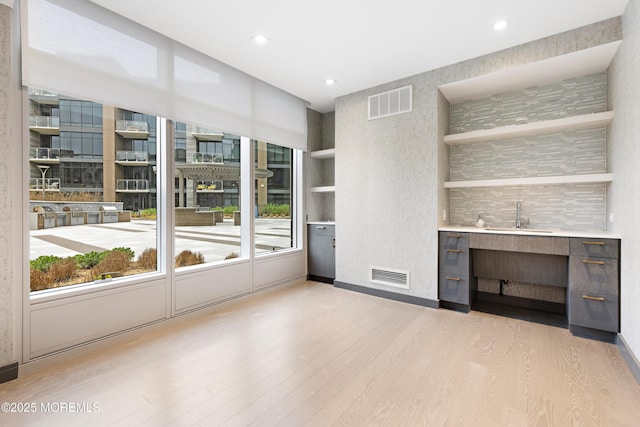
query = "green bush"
x=90 y=259
x=272 y=209
x=217 y=208
x=43 y=262
x=228 y=210
x=148 y=213
x=126 y=251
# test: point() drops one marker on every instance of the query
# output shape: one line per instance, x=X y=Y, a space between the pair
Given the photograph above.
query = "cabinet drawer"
x=321 y=230
x=593 y=310
x=452 y=240
x=603 y=248
x=453 y=288
x=593 y=274
x=454 y=261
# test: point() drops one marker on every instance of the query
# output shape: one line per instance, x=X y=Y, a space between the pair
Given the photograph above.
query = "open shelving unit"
x=543 y=180
x=584 y=121
x=329 y=153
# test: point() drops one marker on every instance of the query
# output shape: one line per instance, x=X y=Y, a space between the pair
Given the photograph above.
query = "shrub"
x=43 y=262
x=187 y=257
x=272 y=209
x=62 y=270
x=114 y=261
x=148 y=213
x=126 y=251
x=148 y=259
x=90 y=259
x=232 y=255
x=67 y=196
x=228 y=210
x=39 y=280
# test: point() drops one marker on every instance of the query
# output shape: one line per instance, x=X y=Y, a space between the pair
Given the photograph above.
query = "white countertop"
x=530 y=232
x=322 y=222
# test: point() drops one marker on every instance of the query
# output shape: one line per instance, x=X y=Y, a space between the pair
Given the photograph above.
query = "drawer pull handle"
x=454 y=235
x=586 y=242
x=321 y=228
x=457 y=279
x=586 y=261
x=455 y=251
x=589 y=297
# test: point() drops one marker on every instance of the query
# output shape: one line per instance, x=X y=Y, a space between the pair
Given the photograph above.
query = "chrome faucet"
x=518 y=215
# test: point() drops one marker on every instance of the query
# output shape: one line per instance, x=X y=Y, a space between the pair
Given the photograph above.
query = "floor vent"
x=389 y=277
x=390 y=103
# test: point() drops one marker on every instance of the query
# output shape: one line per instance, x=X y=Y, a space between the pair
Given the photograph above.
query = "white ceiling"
x=359 y=43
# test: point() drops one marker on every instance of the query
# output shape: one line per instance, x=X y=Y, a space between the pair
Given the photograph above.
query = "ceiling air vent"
x=390 y=103
x=389 y=277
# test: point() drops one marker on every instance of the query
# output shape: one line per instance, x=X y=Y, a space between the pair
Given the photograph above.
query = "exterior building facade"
x=83 y=146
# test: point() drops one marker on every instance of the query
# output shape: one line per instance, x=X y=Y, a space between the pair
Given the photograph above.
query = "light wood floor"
x=315 y=355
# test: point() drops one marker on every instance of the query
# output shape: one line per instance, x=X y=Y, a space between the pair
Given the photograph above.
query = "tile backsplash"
x=575 y=152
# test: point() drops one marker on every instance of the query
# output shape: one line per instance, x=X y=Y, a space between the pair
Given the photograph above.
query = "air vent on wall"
x=389 y=103
x=389 y=277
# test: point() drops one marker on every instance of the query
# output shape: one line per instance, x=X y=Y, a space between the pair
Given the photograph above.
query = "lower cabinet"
x=594 y=287
x=455 y=278
x=321 y=261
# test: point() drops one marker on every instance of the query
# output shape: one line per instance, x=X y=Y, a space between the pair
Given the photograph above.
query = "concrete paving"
x=214 y=242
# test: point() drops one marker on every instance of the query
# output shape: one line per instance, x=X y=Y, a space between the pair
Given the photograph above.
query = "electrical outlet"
x=611 y=217
x=444 y=214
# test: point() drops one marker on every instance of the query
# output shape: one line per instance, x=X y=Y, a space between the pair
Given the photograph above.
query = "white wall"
x=389 y=171
x=624 y=159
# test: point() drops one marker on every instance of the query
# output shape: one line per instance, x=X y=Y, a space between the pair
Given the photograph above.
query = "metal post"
x=43 y=171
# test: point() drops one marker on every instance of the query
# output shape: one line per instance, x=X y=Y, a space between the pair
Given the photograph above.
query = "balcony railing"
x=131 y=126
x=44 y=122
x=44 y=96
x=204 y=134
x=215 y=158
x=132 y=185
x=49 y=155
x=210 y=186
x=132 y=156
x=50 y=184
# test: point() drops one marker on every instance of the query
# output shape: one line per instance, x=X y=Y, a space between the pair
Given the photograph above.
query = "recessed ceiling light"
x=260 y=38
x=330 y=82
x=501 y=24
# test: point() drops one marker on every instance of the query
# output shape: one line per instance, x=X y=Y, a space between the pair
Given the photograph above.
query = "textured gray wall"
x=566 y=207
x=624 y=159
x=10 y=180
x=389 y=171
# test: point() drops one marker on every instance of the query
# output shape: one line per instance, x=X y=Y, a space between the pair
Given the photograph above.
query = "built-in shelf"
x=584 y=121
x=545 y=180
x=329 y=153
x=324 y=189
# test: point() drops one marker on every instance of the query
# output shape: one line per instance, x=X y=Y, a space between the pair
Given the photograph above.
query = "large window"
x=273 y=197
x=92 y=212
x=94 y=193
x=207 y=209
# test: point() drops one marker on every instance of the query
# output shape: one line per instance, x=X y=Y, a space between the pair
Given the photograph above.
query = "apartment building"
x=82 y=146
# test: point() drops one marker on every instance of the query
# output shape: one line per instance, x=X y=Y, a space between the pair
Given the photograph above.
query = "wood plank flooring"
x=316 y=355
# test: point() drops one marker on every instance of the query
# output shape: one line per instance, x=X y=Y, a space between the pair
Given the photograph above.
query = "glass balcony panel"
x=131 y=126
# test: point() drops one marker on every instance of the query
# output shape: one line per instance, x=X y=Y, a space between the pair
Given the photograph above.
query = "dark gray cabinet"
x=455 y=281
x=321 y=259
x=594 y=285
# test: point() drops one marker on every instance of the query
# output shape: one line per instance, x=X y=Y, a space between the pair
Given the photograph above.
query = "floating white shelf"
x=329 y=153
x=584 y=121
x=544 y=180
x=324 y=189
